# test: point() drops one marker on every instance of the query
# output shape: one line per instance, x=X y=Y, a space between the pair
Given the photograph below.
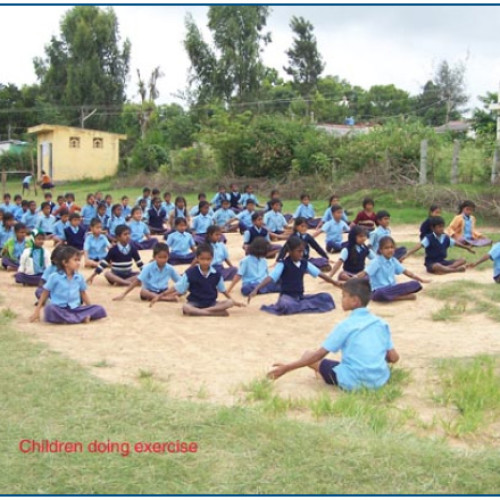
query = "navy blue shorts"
x=326 y=371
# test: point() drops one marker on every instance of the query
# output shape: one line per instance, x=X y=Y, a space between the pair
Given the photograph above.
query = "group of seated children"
x=111 y=236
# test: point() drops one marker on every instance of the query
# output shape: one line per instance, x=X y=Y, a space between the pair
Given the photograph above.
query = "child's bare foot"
x=461 y=269
x=86 y=320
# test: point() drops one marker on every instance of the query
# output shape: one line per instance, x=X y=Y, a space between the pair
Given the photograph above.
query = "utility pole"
x=496 y=156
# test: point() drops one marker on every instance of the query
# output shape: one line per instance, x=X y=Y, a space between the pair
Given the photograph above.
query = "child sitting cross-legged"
x=154 y=277
x=436 y=245
x=364 y=340
x=34 y=260
x=203 y=282
x=494 y=255
x=291 y=273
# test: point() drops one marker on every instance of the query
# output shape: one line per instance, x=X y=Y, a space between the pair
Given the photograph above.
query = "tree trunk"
x=423 y=162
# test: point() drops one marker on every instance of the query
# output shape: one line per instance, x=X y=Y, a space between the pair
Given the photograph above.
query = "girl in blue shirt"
x=221 y=254
x=364 y=340
x=201 y=222
x=89 y=211
x=54 y=256
x=154 y=277
x=291 y=273
x=382 y=272
x=69 y=302
x=140 y=235
x=96 y=245
x=180 y=211
x=334 y=229
x=181 y=244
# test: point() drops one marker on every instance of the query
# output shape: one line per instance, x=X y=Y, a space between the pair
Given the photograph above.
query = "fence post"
x=495 y=167
x=423 y=162
x=454 y=162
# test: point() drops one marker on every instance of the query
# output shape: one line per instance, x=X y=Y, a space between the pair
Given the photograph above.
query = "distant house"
x=456 y=126
x=344 y=130
x=12 y=146
x=70 y=153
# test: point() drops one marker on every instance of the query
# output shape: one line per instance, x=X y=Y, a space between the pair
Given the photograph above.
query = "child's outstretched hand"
x=423 y=280
x=470 y=265
x=90 y=280
x=277 y=372
x=469 y=249
x=119 y=297
x=35 y=316
x=239 y=304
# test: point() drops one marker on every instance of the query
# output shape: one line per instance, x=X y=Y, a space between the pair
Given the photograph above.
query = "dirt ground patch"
x=210 y=358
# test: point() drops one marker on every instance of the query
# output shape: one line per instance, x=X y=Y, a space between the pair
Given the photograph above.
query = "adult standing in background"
x=26 y=183
x=46 y=182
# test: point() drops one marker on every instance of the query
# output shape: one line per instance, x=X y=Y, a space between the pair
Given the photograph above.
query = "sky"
x=366 y=45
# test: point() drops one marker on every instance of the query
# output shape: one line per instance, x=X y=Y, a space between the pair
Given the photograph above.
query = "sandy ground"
x=210 y=358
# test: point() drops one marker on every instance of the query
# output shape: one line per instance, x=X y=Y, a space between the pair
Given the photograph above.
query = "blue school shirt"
x=334 y=230
x=376 y=235
x=30 y=219
x=441 y=238
x=196 y=210
x=252 y=270
x=155 y=279
x=18 y=213
x=262 y=232
x=246 y=196
x=382 y=271
x=344 y=253
x=104 y=220
x=276 y=273
x=168 y=207
x=222 y=215
x=494 y=254
x=182 y=286
x=201 y=222
x=220 y=253
x=114 y=222
x=97 y=248
x=274 y=221
x=59 y=228
x=364 y=340
x=306 y=211
x=329 y=216
x=27 y=179
x=88 y=213
x=138 y=230
x=49 y=271
x=65 y=292
x=245 y=217
x=5 y=235
x=46 y=223
x=126 y=211
x=148 y=202
x=467 y=227
x=8 y=208
x=180 y=243
x=219 y=198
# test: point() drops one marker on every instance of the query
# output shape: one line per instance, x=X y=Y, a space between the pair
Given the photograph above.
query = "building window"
x=74 y=142
x=97 y=142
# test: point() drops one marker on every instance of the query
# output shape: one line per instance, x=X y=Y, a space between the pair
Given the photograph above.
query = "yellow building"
x=70 y=153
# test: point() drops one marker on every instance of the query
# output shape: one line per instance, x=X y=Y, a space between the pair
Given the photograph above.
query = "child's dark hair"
x=381 y=214
x=255 y=216
x=48 y=194
x=155 y=199
x=63 y=212
x=250 y=201
x=146 y=190
x=211 y=230
x=75 y=215
x=259 y=247
x=246 y=187
x=124 y=197
x=204 y=248
x=274 y=192
x=436 y=221
x=135 y=210
x=303 y=196
x=368 y=201
x=114 y=207
x=203 y=204
x=160 y=247
x=167 y=193
x=25 y=203
x=67 y=252
x=200 y=196
x=7 y=217
x=358 y=287
x=6 y=195
x=225 y=200
x=56 y=253
x=352 y=253
x=332 y=197
x=155 y=192
x=335 y=208
x=19 y=227
x=181 y=198
x=70 y=195
x=180 y=220
x=102 y=204
x=120 y=229
x=274 y=201
x=298 y=222
x=466 y=204
x=433 y=208
x=44 y=204
x=384 y=241
x=94 y=222
x=90 y=195
x=292 y=244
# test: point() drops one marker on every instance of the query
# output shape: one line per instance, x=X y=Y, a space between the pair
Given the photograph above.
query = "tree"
x=85 y=68
x=386 y=101
x=305 y=64
x=430 y=105
x=237 y=72
x=451 y=86
x=484 y=120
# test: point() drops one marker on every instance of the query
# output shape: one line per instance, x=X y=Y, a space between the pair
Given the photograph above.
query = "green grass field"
x=242 y=449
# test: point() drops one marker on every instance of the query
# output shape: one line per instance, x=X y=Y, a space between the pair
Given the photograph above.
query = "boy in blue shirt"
x=306 y=210
x=181 y=244
x=334 y=229
x=96 y=245
x=46 y=221
x=383 y=219
x=30 y=218
x=364 y=340
x=494 y=255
